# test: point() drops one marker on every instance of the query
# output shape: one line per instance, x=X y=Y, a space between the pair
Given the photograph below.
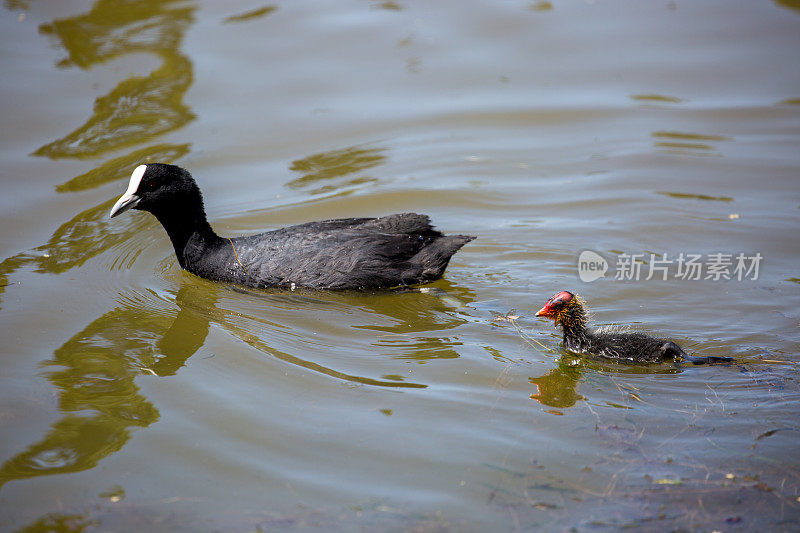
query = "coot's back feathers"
x=399 y=249
x=567 y=311
x=351 y=253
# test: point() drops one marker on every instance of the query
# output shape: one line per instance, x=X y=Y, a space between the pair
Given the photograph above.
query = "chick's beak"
x=544 y=311
x=125 y=202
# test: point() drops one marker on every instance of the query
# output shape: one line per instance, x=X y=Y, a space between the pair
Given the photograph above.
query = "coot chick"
x=350 y=253
x=566 y=310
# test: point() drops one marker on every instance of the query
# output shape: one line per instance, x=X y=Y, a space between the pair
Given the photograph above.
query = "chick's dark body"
x=625 y=346
x=568 y=313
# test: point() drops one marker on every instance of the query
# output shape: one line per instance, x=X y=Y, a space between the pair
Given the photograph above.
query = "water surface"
x=135 y=395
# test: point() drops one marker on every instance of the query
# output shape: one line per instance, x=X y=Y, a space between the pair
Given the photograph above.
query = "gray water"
x=135 y=396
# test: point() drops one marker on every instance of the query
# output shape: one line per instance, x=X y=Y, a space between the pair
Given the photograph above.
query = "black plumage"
x=350 y=253
x=567 y=311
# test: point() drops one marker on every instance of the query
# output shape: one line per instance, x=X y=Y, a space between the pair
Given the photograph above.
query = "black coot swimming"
x=349 y=253
x=567 y=311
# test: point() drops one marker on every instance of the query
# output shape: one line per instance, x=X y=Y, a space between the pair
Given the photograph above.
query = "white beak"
x=125 y=202
x=130 y=199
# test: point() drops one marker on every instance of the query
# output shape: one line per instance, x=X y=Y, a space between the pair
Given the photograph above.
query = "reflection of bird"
x=567 y=311
x=558 y=388
x=350 y=253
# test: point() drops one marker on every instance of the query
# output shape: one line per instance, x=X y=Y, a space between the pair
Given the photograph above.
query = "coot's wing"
x=321 y=226
x=344 y=258
x=401 y=223
x=351 y=253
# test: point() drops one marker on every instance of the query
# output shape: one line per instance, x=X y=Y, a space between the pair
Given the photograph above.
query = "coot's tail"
x=670 y=349
x=433 y=258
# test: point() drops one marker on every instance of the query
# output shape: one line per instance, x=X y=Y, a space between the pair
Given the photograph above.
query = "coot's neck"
x=188 y=229
x=573 y=324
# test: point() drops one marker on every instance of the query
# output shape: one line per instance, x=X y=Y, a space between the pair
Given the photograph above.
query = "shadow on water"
x=140 y=107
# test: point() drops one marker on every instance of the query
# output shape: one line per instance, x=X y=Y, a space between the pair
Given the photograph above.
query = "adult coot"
x=349 y=253
x=567 y=311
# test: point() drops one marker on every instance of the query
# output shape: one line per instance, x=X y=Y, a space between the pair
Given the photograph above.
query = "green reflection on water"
x=139 y=108
x=88 y=234
x=97 y=367
x=789 y=4
x=410 y=311
x=388 y=5
x=541 y=6
x=96 y=390
x=689 y=136
x=120 y=167
x=687 y=143
x=99 y=400
x=656 y=98
x=558 y=387
x=688 y=196
x=60 y=522
x=95 y=382
x=135 y=111
x=250 y=15
x=334 y=164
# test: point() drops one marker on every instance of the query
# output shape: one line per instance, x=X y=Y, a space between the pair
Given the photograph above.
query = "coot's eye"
x=150 y=185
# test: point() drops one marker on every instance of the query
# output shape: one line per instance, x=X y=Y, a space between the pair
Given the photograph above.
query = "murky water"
x=135 y=395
